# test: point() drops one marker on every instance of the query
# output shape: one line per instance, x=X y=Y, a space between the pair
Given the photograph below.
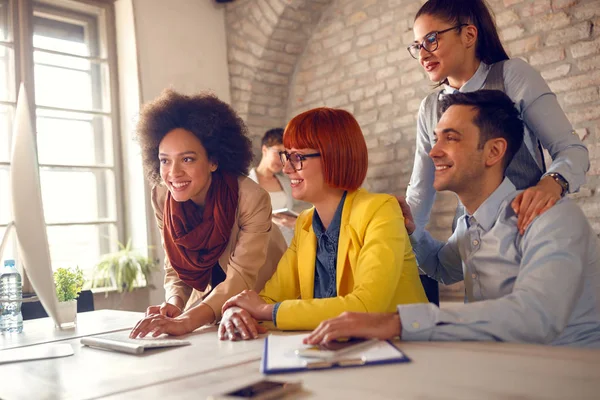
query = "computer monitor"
x=27 y=208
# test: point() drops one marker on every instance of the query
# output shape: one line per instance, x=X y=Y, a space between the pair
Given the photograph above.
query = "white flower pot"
x=67 y=314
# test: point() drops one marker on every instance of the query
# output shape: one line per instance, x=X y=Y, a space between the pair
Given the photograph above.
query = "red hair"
x=337 y=136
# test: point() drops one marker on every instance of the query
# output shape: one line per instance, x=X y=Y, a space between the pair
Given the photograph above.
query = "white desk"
x=208 y=366
x=438 y=371
x=42 y=330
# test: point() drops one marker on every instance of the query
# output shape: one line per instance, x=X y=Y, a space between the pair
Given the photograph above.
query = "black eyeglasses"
x=430 y=42
x=295 y=158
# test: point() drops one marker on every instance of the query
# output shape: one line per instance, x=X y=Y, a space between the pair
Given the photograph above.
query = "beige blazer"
x=255 y=247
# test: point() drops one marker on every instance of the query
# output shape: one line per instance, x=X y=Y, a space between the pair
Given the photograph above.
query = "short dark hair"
x=221 y=131
x=489 y=48
x=497 y=117
x=272 y=137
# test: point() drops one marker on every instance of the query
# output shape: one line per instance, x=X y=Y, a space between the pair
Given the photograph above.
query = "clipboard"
x=279 y=356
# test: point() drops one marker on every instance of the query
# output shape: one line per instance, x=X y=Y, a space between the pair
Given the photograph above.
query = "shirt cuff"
x=274 y=313
x=417 y=321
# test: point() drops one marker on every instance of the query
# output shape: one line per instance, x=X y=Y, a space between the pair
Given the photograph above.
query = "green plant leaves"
x=68 y=282
x=122 y=269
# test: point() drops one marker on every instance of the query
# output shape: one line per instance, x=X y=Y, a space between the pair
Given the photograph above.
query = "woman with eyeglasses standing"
x=457 y=44
x=350 y=252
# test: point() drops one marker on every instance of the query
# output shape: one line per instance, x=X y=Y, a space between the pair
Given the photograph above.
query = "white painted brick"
x=576 y=32
x=372 y=50
x=589 y=64
x=575 y=82
x=536 y=7
x=356 y=18
x=412 y=77
x=547 y=56
x=506 y=18
x=585 y=48
x=364 y=40
x=384 y=155
x=384 y=99
x=361 y=67
x=551 y=22
x=587 y=95
x=511 y=33
x=524 y=45
x=342 y=48
x=556 y=72
x=375 y=89
x=385 y=73
x=357 y=94
x=367 y=26
x=584 y=115
x=377 y=62
x=366 y=118
x=560 y=4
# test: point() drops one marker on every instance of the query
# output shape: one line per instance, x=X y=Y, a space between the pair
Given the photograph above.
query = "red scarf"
x=195 y=239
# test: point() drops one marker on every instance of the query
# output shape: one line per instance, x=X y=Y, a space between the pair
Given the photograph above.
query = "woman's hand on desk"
x=166 y=309
x=237 y=324
x=359 y=325
x=157 y=324
x=250 y=301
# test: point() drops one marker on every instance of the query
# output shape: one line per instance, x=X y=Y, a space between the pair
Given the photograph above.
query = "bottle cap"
x=9 y=263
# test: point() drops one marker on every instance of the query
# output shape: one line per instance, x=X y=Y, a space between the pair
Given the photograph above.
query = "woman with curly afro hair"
x=215 y=222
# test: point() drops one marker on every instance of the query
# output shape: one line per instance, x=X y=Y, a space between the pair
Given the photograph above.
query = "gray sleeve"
x=547 y=121
x=420 y=194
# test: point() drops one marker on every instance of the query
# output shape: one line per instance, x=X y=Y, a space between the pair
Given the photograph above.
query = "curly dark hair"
x=221 y=131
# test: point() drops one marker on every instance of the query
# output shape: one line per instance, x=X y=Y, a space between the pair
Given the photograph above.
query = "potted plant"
x=68 y=282
x=122 y=269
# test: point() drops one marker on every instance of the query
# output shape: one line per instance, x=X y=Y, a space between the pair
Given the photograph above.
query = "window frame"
x=102 y=13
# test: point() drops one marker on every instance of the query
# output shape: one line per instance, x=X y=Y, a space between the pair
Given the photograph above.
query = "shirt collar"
x=475 y=83
x=487 y=213
x=334 y=227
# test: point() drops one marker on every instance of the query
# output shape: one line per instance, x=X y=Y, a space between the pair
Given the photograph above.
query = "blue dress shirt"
x=544 y=121
x=325 y=264
x=542 y=287
x=327 y=246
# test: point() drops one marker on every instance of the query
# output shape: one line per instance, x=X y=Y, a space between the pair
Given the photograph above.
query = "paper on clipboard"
x=280 y=356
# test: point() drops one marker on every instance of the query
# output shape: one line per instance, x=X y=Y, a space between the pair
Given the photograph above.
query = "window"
x=64 y=52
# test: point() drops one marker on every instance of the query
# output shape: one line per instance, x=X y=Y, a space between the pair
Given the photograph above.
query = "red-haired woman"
x=350 y=252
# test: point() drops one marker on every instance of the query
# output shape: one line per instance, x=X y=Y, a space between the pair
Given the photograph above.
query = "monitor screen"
x=27 y=209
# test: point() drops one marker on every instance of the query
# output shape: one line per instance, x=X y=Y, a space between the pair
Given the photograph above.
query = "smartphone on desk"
x=261 y=390
x=334 y=348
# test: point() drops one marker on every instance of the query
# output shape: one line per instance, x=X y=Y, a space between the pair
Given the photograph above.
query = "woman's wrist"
x=198 y=316
x=266 y=312
x=176 y=301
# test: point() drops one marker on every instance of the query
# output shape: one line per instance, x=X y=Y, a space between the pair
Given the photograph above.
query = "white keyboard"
x=121 y=342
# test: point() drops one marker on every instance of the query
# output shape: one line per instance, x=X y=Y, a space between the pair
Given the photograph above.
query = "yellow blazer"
x=376 y=267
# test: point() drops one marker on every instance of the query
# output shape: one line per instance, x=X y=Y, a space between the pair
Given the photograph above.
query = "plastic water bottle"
x=11 y=319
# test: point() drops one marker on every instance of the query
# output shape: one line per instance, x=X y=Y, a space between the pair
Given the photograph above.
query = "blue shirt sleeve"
x=274 y=313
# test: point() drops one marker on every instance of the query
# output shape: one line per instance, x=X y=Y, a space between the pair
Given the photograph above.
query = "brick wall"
x=287 y=56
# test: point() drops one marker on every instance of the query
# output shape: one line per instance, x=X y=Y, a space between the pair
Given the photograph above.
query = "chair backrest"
x=34 y=309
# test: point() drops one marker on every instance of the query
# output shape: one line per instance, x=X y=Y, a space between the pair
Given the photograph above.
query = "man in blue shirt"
x=539 y=287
